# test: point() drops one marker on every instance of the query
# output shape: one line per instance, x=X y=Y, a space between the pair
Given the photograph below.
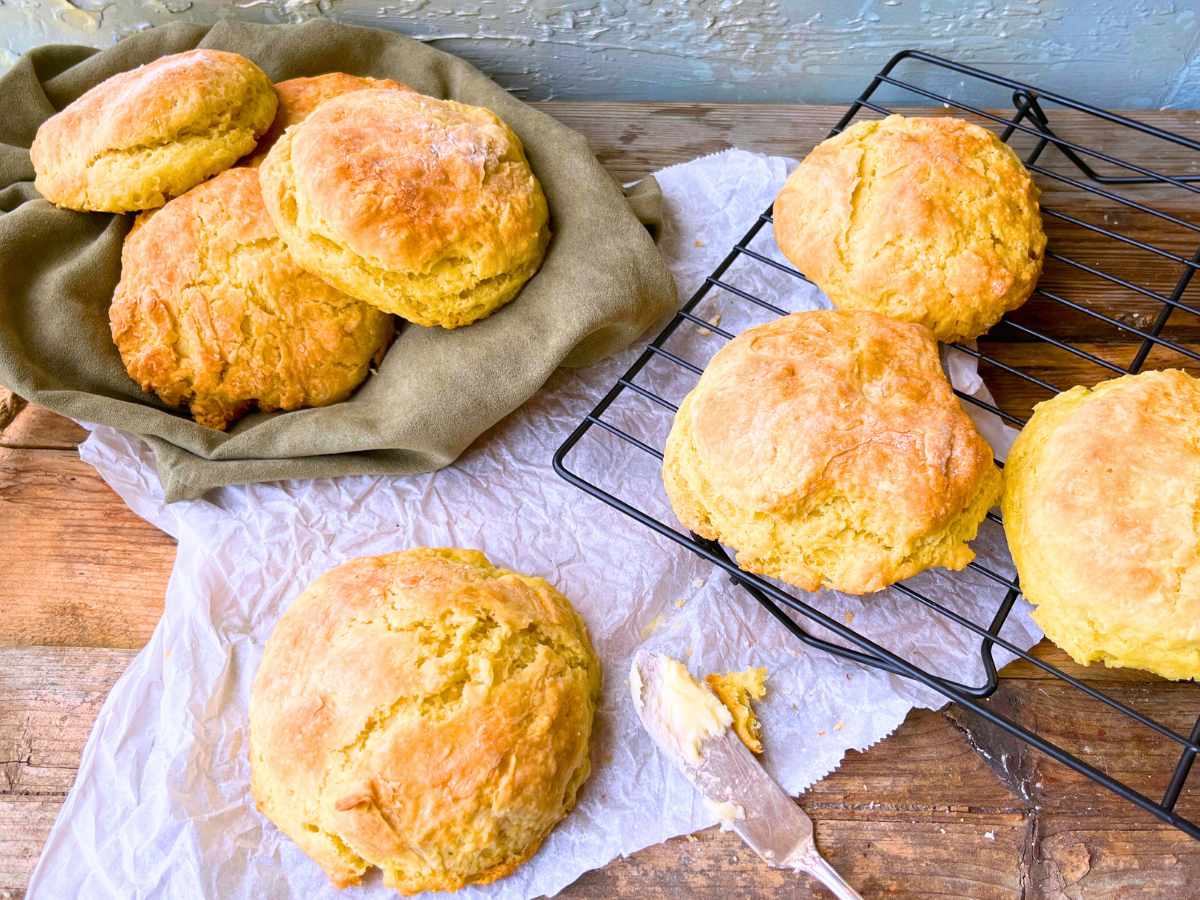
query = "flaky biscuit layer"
x=425 y=712
x=1102 y=512
x=828 y=449
x=426 y=208
x=141 y=137
x=211 y=312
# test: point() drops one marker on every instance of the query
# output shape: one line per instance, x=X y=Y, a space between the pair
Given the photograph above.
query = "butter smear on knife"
x=690 y=714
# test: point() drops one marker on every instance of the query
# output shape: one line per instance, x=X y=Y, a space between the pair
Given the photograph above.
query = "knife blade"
x=684 y=717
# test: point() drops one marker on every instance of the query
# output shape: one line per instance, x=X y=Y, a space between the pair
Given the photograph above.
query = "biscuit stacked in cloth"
x=272 y=285
x=425 y=208
x=426 y=713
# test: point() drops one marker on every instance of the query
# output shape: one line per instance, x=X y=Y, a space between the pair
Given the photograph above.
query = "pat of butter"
x=691 y=713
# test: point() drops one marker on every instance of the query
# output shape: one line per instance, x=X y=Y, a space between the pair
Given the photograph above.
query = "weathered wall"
x=1139 y=53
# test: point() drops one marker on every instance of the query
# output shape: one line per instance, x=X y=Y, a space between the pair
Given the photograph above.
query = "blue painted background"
x=1144 y=53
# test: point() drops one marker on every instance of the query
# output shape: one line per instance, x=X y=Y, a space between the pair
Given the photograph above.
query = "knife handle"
x=816 y=866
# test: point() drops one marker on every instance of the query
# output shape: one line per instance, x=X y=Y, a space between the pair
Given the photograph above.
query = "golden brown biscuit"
x=738 y=691
x=828 y=449
x=929 y=220
x=143 y=136
x=424 y=712
x=426 y=208
x=211 y=312
x=1101 y=501
x=298 y=97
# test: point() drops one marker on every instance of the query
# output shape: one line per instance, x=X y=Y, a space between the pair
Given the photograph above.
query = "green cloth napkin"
x=602 y=284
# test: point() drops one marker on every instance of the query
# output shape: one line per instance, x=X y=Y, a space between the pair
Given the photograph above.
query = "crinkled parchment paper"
x=162 y=808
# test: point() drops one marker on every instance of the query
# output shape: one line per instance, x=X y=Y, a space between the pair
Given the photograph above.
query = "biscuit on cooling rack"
x=426 y=713
x=298 y=97
x=828 y=449
x=211 y=313
x=929 y=220
x=1101 y=493
x=141 y=137
x=426 y=208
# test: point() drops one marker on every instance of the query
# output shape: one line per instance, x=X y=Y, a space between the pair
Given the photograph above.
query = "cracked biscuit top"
x=929 y=220
x=143 y=136
x=426 y=713
x=425 y=208
x=828 y=449
x=211 y=312
x=299 y=97
x=1102 y=514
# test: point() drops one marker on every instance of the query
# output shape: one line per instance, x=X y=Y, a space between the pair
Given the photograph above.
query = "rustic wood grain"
x=79 y=568
x=49 y=697
x=34 y=427
x=25 y=822
x=945 y=806
x=1112 y=857
x=10 y=407
x=632 y=139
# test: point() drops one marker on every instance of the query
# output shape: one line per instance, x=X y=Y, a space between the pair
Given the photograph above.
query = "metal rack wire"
x=1099 y=175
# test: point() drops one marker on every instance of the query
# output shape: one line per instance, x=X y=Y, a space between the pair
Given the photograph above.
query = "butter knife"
x=689 y=724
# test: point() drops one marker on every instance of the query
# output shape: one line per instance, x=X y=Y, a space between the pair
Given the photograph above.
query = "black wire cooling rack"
x=1116 y=201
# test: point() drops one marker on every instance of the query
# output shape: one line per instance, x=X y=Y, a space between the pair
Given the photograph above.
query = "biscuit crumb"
x=697 y=243
x=679 y=603
x=652 y=626
x=714 y=321
x=849 y=618
x=737 y=690
x=821 y=732
x=839 y=725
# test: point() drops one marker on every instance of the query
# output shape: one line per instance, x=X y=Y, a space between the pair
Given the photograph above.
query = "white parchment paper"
x=161 y=807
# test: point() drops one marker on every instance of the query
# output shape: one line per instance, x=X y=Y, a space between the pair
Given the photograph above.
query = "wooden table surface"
x=942 y=807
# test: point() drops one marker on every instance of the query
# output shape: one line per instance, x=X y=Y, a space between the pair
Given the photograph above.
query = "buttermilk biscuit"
x=298 y=97
x=738 y=691
x=828 y=449
x=426 y=713
x=211 y=313
x=143 y=136
x=426 y=208
x=1101 y=508
x=929 y=220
